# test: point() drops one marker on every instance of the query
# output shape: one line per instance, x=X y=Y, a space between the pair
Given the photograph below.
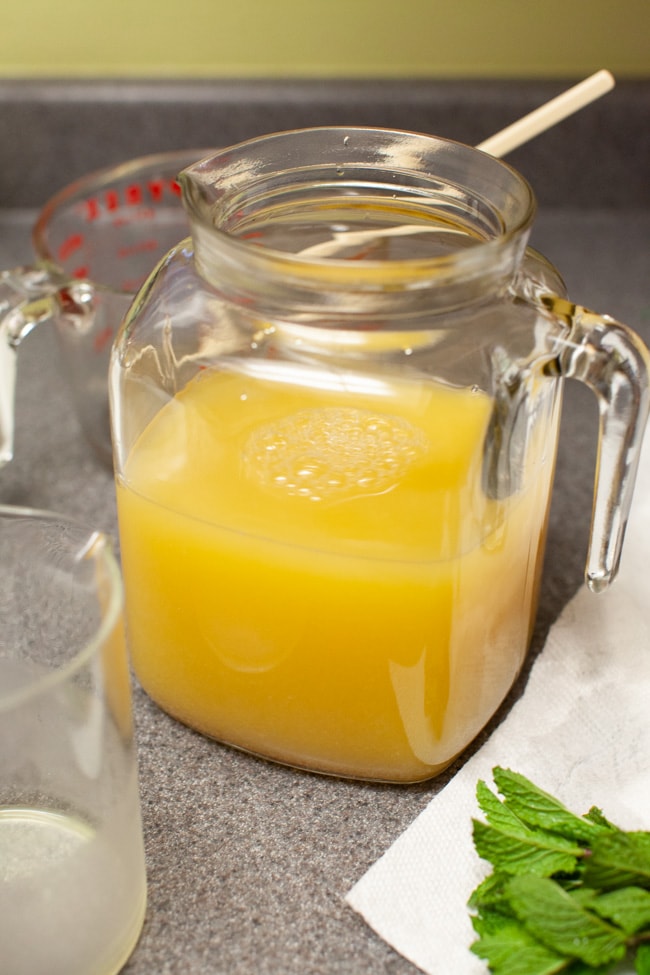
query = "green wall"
x=324 y=38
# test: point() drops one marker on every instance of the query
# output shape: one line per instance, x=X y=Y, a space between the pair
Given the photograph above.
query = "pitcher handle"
x=26 y=300
x=615 y=364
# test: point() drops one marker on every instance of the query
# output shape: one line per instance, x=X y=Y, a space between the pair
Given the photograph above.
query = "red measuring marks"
x=68 y=249
x=69 y=246
x=125 y=205
x=138 y=247
x=130 y=195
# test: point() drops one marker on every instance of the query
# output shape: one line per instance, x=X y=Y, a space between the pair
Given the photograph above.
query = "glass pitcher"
x=335 y=415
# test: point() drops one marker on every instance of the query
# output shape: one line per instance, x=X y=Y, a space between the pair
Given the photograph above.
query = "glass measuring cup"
x=336 y=411
x=95 y=242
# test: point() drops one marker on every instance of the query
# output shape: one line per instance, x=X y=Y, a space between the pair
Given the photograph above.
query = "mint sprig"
x=567 y=894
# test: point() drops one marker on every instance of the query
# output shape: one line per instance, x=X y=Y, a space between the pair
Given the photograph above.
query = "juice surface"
x=316 y=574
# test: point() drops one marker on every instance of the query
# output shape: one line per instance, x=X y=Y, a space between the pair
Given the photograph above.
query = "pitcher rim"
x=516 y=228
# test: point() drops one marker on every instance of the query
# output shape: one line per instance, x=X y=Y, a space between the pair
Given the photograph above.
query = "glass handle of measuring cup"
x=615 y=364
x=26 y=300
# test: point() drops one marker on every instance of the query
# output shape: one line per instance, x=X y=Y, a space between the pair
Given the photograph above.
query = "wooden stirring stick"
x=497 y=145
x=549 y=114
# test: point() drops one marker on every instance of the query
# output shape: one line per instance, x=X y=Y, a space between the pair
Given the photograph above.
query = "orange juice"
x=316 y=575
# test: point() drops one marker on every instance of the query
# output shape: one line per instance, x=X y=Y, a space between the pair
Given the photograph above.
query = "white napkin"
x=581 y=731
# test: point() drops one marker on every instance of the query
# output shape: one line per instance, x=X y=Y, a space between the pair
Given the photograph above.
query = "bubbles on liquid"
x=332 y=453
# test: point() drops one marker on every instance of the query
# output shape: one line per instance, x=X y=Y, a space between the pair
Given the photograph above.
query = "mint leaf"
x=497 y=813
x=493 y=921
x=512 y=950
x=595 y=815
x=567 y=894
x=619 y=859
x=489 y=893
x=629 y=907
x=563 y=924
x=525 y=850
x=584 y=896
x=539 y=809
x=642 y=960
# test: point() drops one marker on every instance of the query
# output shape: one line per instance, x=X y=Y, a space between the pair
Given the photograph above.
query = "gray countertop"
x=248 y=862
